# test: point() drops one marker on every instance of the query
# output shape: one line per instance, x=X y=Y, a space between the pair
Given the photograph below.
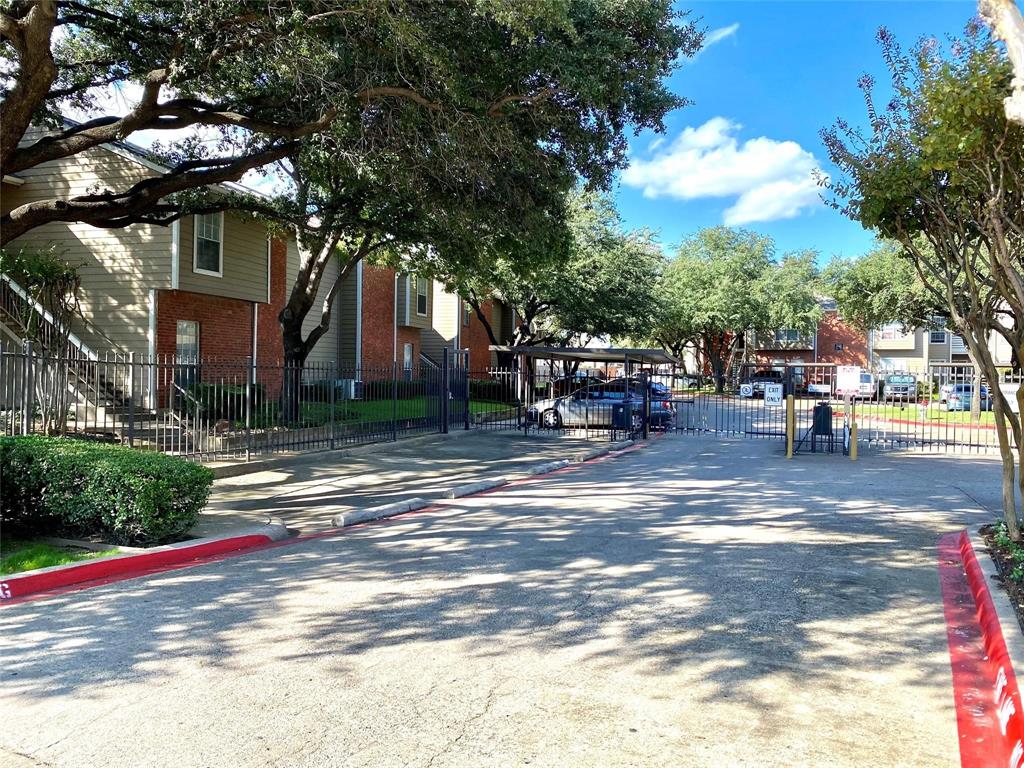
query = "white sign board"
x=847 y=379
x=773 y=395
x=746 y=390
x=819 y=389
x=1009 y=390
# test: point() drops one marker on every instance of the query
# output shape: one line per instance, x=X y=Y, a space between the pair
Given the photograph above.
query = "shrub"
x=225 y=401
x=61 y=485
x=496 y=390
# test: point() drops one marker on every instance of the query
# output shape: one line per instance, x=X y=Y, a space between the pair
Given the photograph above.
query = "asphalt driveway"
x=693 y=603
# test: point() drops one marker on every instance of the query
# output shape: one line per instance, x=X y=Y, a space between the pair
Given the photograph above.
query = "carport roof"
x=593 y=354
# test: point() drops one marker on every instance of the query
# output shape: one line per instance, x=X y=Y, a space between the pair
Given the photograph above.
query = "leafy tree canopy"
x=457 y=88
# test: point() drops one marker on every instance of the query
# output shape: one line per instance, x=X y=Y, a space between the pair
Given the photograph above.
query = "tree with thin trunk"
x=940 y=171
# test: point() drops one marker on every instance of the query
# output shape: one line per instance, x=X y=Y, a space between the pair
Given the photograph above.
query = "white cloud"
x=770 y=179
x=720 y=34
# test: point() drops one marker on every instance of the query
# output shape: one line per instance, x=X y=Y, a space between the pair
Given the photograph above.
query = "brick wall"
x=475 y=339
x=378 y=320
x=225 y=329
x=832 y=331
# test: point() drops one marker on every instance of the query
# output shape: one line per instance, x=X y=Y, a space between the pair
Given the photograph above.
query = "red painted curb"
x=15 y=587
x=990 y=719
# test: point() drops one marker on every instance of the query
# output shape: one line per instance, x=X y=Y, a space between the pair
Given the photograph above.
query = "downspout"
x=394 y=329
x=359 y=319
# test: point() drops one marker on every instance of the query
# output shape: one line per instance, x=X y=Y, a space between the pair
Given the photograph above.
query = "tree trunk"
x=976 y=396
x=295 y=353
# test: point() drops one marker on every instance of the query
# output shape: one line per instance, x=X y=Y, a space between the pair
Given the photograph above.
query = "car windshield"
x=900 y=379
x=865 y=378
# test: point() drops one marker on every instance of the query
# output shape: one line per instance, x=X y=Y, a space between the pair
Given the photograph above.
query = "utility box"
x=822 y=419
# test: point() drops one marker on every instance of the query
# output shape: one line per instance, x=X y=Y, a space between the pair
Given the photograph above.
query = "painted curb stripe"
x=215 y=551
x=990 y=720
x=117 y=568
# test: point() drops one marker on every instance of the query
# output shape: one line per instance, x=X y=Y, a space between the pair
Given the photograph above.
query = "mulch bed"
x=1005 y=564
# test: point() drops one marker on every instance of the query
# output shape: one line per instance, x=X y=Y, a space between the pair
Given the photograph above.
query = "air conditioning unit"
x=349 y=389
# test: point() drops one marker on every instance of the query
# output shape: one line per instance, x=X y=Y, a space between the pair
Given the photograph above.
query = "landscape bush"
x=65 y=486
x=225 y=401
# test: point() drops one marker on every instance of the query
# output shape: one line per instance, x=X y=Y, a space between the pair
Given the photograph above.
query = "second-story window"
x=209 y=245
x=787 y=334
x=891 y=332
x=937 y=335
x=421 y=295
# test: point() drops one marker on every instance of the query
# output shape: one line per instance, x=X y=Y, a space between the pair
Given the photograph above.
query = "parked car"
x=947 y=389
x=867 y=388
x=960 y=398
x=899 y=386
x=759 y=379
x=594 y=406
x=686 y=380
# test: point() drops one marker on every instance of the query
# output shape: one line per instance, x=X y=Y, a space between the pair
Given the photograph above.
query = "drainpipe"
x=394 y=329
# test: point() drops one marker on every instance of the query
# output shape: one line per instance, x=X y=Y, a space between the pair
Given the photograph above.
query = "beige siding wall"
x=244 y=262
x=444 y=326
x=118 y=267
x=326 y=349
x=345 y=310
x=407 y=314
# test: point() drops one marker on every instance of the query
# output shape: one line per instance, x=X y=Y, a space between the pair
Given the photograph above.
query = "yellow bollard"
x=853 y=441
x=790 y=425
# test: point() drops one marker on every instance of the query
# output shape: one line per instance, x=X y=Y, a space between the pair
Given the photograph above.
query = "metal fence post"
x=465 y=379
x=131 y=399
x=28 y=391
x=250 y=380
x=334 y=395
x=445 y=390
x=645 y=381
x=394 y=400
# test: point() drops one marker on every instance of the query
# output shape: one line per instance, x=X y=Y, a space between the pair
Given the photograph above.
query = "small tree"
x=941 y=172
x=51 y=286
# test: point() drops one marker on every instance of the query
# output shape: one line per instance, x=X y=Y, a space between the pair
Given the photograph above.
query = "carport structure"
x=531 y=385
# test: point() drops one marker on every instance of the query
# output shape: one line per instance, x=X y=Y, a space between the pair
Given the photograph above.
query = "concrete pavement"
x=693 y=603
x=307 y=493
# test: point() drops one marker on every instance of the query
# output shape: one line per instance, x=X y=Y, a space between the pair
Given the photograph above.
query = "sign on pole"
x=746 y=390
x=847 y=380
x=773 y=395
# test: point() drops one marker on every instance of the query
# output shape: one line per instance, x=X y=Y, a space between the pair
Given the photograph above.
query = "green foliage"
x=224 y=401
x=590 y=278
x=880 y=287
x=724 y=283
x=61 y=485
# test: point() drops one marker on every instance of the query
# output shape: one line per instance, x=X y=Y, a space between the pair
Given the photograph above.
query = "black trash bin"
x=626 y=414
x=822 y=419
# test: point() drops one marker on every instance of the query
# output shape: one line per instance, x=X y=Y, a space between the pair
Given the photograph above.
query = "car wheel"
x=551 y=419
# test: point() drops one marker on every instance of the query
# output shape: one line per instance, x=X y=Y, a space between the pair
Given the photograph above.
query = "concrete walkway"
x=692 y=603
x=307 y=492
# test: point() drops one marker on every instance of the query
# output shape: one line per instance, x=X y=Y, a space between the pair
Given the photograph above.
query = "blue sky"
x=742 y=153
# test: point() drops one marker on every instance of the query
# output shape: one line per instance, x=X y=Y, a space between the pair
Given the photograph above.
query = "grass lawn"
x=17 y=556
x=356 y=411
x=935 y=413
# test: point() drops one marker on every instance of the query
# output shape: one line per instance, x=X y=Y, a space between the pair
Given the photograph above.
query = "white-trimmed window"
x=891 y=332
x=208 y=248
x=422 y=286
x=937 y=335
x=467 y=314
x=787 y=335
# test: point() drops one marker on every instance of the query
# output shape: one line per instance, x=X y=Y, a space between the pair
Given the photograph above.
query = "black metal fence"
x=207 y=409
x=927 y=410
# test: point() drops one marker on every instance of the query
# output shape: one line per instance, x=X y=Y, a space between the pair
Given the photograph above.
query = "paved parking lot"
x=692 y=603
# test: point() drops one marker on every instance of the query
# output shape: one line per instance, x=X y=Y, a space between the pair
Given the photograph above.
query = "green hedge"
x=224 y=401
x=57 y=485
